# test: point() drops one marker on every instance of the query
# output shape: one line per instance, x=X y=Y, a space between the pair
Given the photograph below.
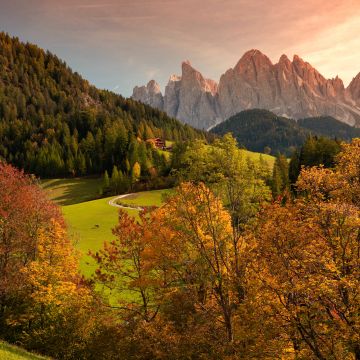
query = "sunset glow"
x=108 y=41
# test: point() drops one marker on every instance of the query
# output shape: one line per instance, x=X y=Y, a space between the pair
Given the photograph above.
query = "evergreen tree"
x=106 y=183
x=115 y=178
x=49 y=114
x=280 y=180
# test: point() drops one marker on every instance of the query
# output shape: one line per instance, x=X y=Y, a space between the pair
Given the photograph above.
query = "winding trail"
x=113 y=201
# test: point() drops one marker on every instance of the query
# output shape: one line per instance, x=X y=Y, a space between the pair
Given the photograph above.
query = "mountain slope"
x=288 y=88
x=259 y=130
x=330 y=127
x=53 y=122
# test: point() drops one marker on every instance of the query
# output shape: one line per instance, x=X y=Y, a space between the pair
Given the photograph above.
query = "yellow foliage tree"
x=308 y=261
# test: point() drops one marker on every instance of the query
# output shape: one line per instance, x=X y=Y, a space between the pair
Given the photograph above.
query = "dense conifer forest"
x=54 y=123
x=263 y=131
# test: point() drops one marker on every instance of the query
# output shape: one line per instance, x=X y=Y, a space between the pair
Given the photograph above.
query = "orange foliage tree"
x=308 y=260
x=44 y=303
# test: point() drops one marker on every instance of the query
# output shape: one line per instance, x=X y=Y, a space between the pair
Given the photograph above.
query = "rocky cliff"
x=288 y=88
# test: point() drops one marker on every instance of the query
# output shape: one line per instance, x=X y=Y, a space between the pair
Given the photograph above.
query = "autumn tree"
x=122 y=267
x=187 y=273
x=234 y=177
x=44 y=303
x=135 y=172
x=308 y=260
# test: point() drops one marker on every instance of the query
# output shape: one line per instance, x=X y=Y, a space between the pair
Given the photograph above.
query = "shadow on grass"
x=72 y=191
x=13 y=352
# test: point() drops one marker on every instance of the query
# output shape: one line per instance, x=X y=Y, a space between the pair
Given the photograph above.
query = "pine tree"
x=115 y=180
x=106 y=183
x=280 y=179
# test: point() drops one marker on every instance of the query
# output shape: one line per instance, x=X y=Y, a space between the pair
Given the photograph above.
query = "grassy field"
x=145 y=198
x=72 y=191
x=90 y=224
x=10 y=352
x=254 y=156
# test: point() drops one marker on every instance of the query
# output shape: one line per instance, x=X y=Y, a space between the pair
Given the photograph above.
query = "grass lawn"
x=146 y=198
x=11 y=352
x=254 y=156
x=90 y=224
x=72 y=191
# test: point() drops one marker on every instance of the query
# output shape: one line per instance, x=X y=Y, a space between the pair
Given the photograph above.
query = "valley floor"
x=90 y=222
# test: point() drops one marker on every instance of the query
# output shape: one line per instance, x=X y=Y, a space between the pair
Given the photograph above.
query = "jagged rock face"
x=149 y=94
x=354 y=90
x=196 y=100
x=288 y=88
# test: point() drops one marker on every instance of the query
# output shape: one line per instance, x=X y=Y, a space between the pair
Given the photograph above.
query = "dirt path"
x=113 y=201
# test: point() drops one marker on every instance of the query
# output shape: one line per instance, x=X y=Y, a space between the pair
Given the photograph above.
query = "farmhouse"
x=159 y=144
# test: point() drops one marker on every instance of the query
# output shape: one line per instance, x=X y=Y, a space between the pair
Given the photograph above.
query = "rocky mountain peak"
x=284 y=59
x=174 y=78
x=153 y=86
x=337 y=83
x=194 y=78
x=354 y=89
x=253 y=58
x=149 y=94
x=288 y=88
x=188 y=70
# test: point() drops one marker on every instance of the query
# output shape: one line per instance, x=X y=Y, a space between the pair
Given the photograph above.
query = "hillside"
x=258 y=129
x=263 y=131
x=10 y=352
x=53 y=122
x=330 y=127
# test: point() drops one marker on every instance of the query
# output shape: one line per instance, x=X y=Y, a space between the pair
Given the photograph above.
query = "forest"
x=247 y=256
x=54 y=123
x=224 y=269
x=261 y=130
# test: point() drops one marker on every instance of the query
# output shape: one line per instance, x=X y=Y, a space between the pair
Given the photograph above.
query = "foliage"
x=280 y=179
x=236 y=178
x=54 y=123
x=188 y=269
x=44 y=303
x=314 y=152
x=263 y=131
x=308 y=261
x=286 y=286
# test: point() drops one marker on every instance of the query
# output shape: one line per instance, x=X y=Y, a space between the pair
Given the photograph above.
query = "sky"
x=117 y=44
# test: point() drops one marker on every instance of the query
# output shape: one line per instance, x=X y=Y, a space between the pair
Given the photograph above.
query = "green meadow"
x=90 y=219
x=145 y=198
x=72 y=191
x=11 y=352
x=255 y=156
x=90 y=222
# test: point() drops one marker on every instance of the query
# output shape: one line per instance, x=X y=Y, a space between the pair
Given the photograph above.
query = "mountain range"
x=292 y=89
